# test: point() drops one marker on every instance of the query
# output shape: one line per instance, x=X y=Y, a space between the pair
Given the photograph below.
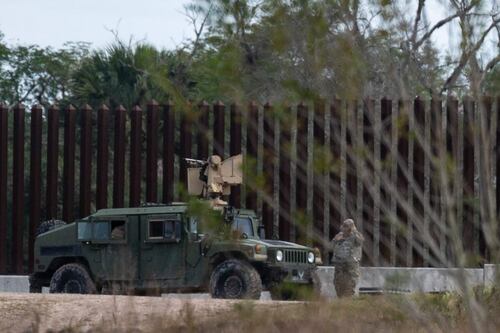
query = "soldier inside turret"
x=347 y=251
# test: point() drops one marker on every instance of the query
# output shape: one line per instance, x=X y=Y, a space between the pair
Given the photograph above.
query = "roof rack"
x=153 y=204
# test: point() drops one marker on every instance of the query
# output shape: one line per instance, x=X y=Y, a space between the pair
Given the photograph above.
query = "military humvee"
x=157 y=249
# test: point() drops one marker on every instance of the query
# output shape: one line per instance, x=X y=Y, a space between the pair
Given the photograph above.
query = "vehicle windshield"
x=243 y=225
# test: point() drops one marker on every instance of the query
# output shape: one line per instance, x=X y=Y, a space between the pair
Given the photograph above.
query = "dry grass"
x=389 y=313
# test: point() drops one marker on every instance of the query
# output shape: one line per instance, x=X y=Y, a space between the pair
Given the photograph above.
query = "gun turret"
x=212 y=179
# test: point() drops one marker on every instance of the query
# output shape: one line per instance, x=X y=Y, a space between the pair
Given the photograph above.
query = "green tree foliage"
x=492 y=81
x=269 y=50
x=275 y=49
x=132 y=74
x=32 y=74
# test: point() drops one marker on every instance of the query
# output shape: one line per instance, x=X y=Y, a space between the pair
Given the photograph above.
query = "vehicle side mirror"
x=262 y=232
x=193 y=228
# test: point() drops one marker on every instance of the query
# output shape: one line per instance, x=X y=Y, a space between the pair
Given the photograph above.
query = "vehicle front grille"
x=295 y=256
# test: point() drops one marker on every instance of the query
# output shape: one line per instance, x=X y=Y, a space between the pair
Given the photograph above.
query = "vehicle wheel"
x=72 y=279
x=48 y=225
x=292 y=292
x=235 y=279
x=35 y=285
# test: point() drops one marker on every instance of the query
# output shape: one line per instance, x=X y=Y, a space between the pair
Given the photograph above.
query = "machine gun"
x=212 y=179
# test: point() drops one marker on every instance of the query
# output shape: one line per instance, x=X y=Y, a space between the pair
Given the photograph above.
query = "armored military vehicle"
x=164 y=248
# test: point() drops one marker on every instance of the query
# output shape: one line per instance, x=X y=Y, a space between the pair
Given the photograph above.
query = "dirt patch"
x=50 y=312
x=383 y=313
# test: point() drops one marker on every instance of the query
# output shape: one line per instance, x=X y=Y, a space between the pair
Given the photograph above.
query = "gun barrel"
x=194 y=162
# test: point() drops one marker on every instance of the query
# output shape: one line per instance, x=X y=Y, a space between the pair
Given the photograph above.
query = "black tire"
x=35 y=287
x=292 y=292
x=72 y=279
x=48 y=225
x=235 y=279
x=35 y=284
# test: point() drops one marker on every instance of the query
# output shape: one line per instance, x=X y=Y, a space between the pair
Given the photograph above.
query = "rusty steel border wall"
x=379 y=162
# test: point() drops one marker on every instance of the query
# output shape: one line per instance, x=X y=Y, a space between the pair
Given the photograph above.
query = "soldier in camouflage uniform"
x=347 y=250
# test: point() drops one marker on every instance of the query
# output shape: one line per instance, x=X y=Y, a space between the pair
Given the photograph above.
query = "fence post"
x=437 y=142
x=203 y=130
x=168 y=152
x=18 y=190
x=85 y=160
x=219 y=129
x=52 y=161
x=186 y=137
x=402 y=181
x=453 y=150
x=497 y=158
x=102 y=157
x=135 y=156
x=468 y=167
x=486 y=153
x=388 y=223
x=371 y=217
x=353 y=197
x=320 y=224
x=119 y=158
x=302 y=229
x=3 y=186
x=35 y=178
x=252 y=120
x=285 y=151
x=69 y=164
x=269 y=156
x=334 y=192
x=235 y=149
x=418 y=176
x=152 y=153
x=351 y=151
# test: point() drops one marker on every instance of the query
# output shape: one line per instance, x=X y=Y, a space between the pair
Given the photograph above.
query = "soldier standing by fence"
x=347 y=251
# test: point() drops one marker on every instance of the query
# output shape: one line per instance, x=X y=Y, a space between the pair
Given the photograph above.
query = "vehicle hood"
x=271 y=243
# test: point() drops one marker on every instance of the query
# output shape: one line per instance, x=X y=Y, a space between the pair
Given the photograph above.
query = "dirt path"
x=49 y=312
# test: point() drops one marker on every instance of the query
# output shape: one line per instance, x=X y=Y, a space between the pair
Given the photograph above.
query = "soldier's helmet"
x=348 y=225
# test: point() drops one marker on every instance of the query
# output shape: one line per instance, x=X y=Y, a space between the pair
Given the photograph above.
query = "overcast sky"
x=53 y=22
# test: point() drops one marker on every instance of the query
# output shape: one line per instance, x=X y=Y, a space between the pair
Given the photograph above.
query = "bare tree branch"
x=492 y=63
x=438 y=25
x=198 y=30
x=498 y=33
x=420 y=7
x=489 y=66
x=466 y=55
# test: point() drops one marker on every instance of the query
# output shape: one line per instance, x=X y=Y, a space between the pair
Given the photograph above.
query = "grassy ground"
x=417 y=313
x=389 y=313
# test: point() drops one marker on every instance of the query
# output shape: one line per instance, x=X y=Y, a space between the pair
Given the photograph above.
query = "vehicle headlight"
x=310 y=257
x=279 y=255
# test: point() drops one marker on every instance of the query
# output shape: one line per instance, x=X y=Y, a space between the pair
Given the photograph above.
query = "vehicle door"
x=110 y=247
x=194 y=250
x=196 y=247
x=162 y=248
